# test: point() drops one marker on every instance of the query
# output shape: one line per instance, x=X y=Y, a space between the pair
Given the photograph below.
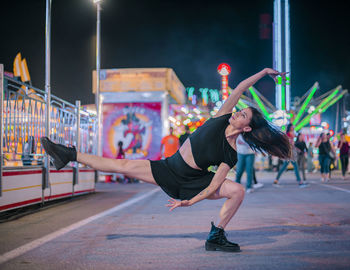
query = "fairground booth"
x=135 y=109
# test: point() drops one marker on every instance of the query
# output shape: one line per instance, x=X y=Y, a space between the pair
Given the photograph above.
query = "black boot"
x=217 y=241
x=61 y=154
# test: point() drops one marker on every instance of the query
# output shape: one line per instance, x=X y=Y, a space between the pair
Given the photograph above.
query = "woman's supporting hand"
x=274 y=73
x=175 y=203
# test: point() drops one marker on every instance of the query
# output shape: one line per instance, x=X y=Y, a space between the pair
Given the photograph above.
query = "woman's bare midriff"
x=186 y=153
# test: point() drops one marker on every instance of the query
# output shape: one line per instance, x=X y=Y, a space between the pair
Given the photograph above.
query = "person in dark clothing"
x=343 y=146
x=301 y=148
x=184 y=136
x=325 y=151
x=332 y=156
x=185 y=175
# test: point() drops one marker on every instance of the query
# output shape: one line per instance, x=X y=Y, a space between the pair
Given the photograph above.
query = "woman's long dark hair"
x=266 y=138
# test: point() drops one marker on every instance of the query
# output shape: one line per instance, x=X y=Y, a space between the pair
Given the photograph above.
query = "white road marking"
x=333 y=187
x=36 y=243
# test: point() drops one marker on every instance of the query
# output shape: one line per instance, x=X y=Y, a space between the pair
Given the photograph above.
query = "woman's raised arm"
x=236 y=94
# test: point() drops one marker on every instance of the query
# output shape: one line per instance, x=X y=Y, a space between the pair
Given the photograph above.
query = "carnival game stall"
x=135 y=109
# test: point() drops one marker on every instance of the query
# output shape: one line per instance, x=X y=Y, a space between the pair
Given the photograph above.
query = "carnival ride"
x=304 y=109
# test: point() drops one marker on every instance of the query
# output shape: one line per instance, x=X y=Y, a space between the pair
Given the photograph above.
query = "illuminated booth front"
x=135 y=107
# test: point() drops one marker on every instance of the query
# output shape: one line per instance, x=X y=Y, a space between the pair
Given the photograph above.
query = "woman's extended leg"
x=235 y=194
x=62 y=155
x=139 y=169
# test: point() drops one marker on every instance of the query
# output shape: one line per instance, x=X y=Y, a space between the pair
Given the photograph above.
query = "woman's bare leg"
x=234 y=193
x=139 y=169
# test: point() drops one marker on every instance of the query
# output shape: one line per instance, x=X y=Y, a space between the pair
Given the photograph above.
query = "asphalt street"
x=127 y=226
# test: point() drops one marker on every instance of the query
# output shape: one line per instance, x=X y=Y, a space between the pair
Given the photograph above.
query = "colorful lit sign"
x=224 y=70
x=137 y=125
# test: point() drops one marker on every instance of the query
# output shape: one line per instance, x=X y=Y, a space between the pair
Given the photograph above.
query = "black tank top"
x=324 y=148
x=209 y=144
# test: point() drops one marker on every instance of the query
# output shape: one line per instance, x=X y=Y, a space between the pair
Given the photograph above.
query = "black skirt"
x=178 y=179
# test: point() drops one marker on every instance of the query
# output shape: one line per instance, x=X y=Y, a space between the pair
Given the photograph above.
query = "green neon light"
x=259 y=102
x=318 y=109
x=287 y=80
x=306 y=102
x=214 y=95
x=190 y=92
x=242 y=104
x=238 y=107
x=334 y=101
x=205 y=96
x=283 y=97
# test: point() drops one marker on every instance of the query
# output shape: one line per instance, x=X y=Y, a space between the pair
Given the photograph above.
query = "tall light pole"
x=281 y=52
x=98 y=59
x=97 y=95
x=47 y=87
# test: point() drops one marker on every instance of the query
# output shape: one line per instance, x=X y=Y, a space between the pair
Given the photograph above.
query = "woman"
x=291 y=135
x=325 y=151
x=344 y=154
x=185 y=175
x=301 y=148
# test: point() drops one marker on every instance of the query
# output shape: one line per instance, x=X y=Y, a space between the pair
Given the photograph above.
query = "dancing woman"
x=185 y=175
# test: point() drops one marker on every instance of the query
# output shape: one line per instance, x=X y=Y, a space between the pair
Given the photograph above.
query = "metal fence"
x=24 y=109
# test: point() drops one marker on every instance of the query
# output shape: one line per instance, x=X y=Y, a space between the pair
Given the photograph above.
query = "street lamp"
x=98 y=58
x=47 y=86
x=97 y=96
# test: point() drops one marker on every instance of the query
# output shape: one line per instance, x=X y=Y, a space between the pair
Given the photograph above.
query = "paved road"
x=277 y=228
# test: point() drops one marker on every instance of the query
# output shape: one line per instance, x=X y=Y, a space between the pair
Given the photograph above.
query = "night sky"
x=192 y=37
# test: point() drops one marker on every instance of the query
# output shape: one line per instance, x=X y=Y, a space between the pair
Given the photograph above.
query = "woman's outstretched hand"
x=274 y=73
x=175 y=203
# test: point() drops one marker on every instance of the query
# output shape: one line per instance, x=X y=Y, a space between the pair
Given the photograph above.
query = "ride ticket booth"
x=135 y=107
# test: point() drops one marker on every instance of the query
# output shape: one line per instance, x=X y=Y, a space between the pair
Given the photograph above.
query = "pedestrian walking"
x=343 y=146
x=332 y=156
x=185 y=174
x=291 y=135
x=325 y=152
x=301 y=148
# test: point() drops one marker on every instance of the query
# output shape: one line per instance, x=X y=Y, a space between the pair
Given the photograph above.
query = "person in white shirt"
x=246 y=157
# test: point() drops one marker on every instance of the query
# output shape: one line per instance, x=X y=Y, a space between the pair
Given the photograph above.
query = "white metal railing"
x=24 y=122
